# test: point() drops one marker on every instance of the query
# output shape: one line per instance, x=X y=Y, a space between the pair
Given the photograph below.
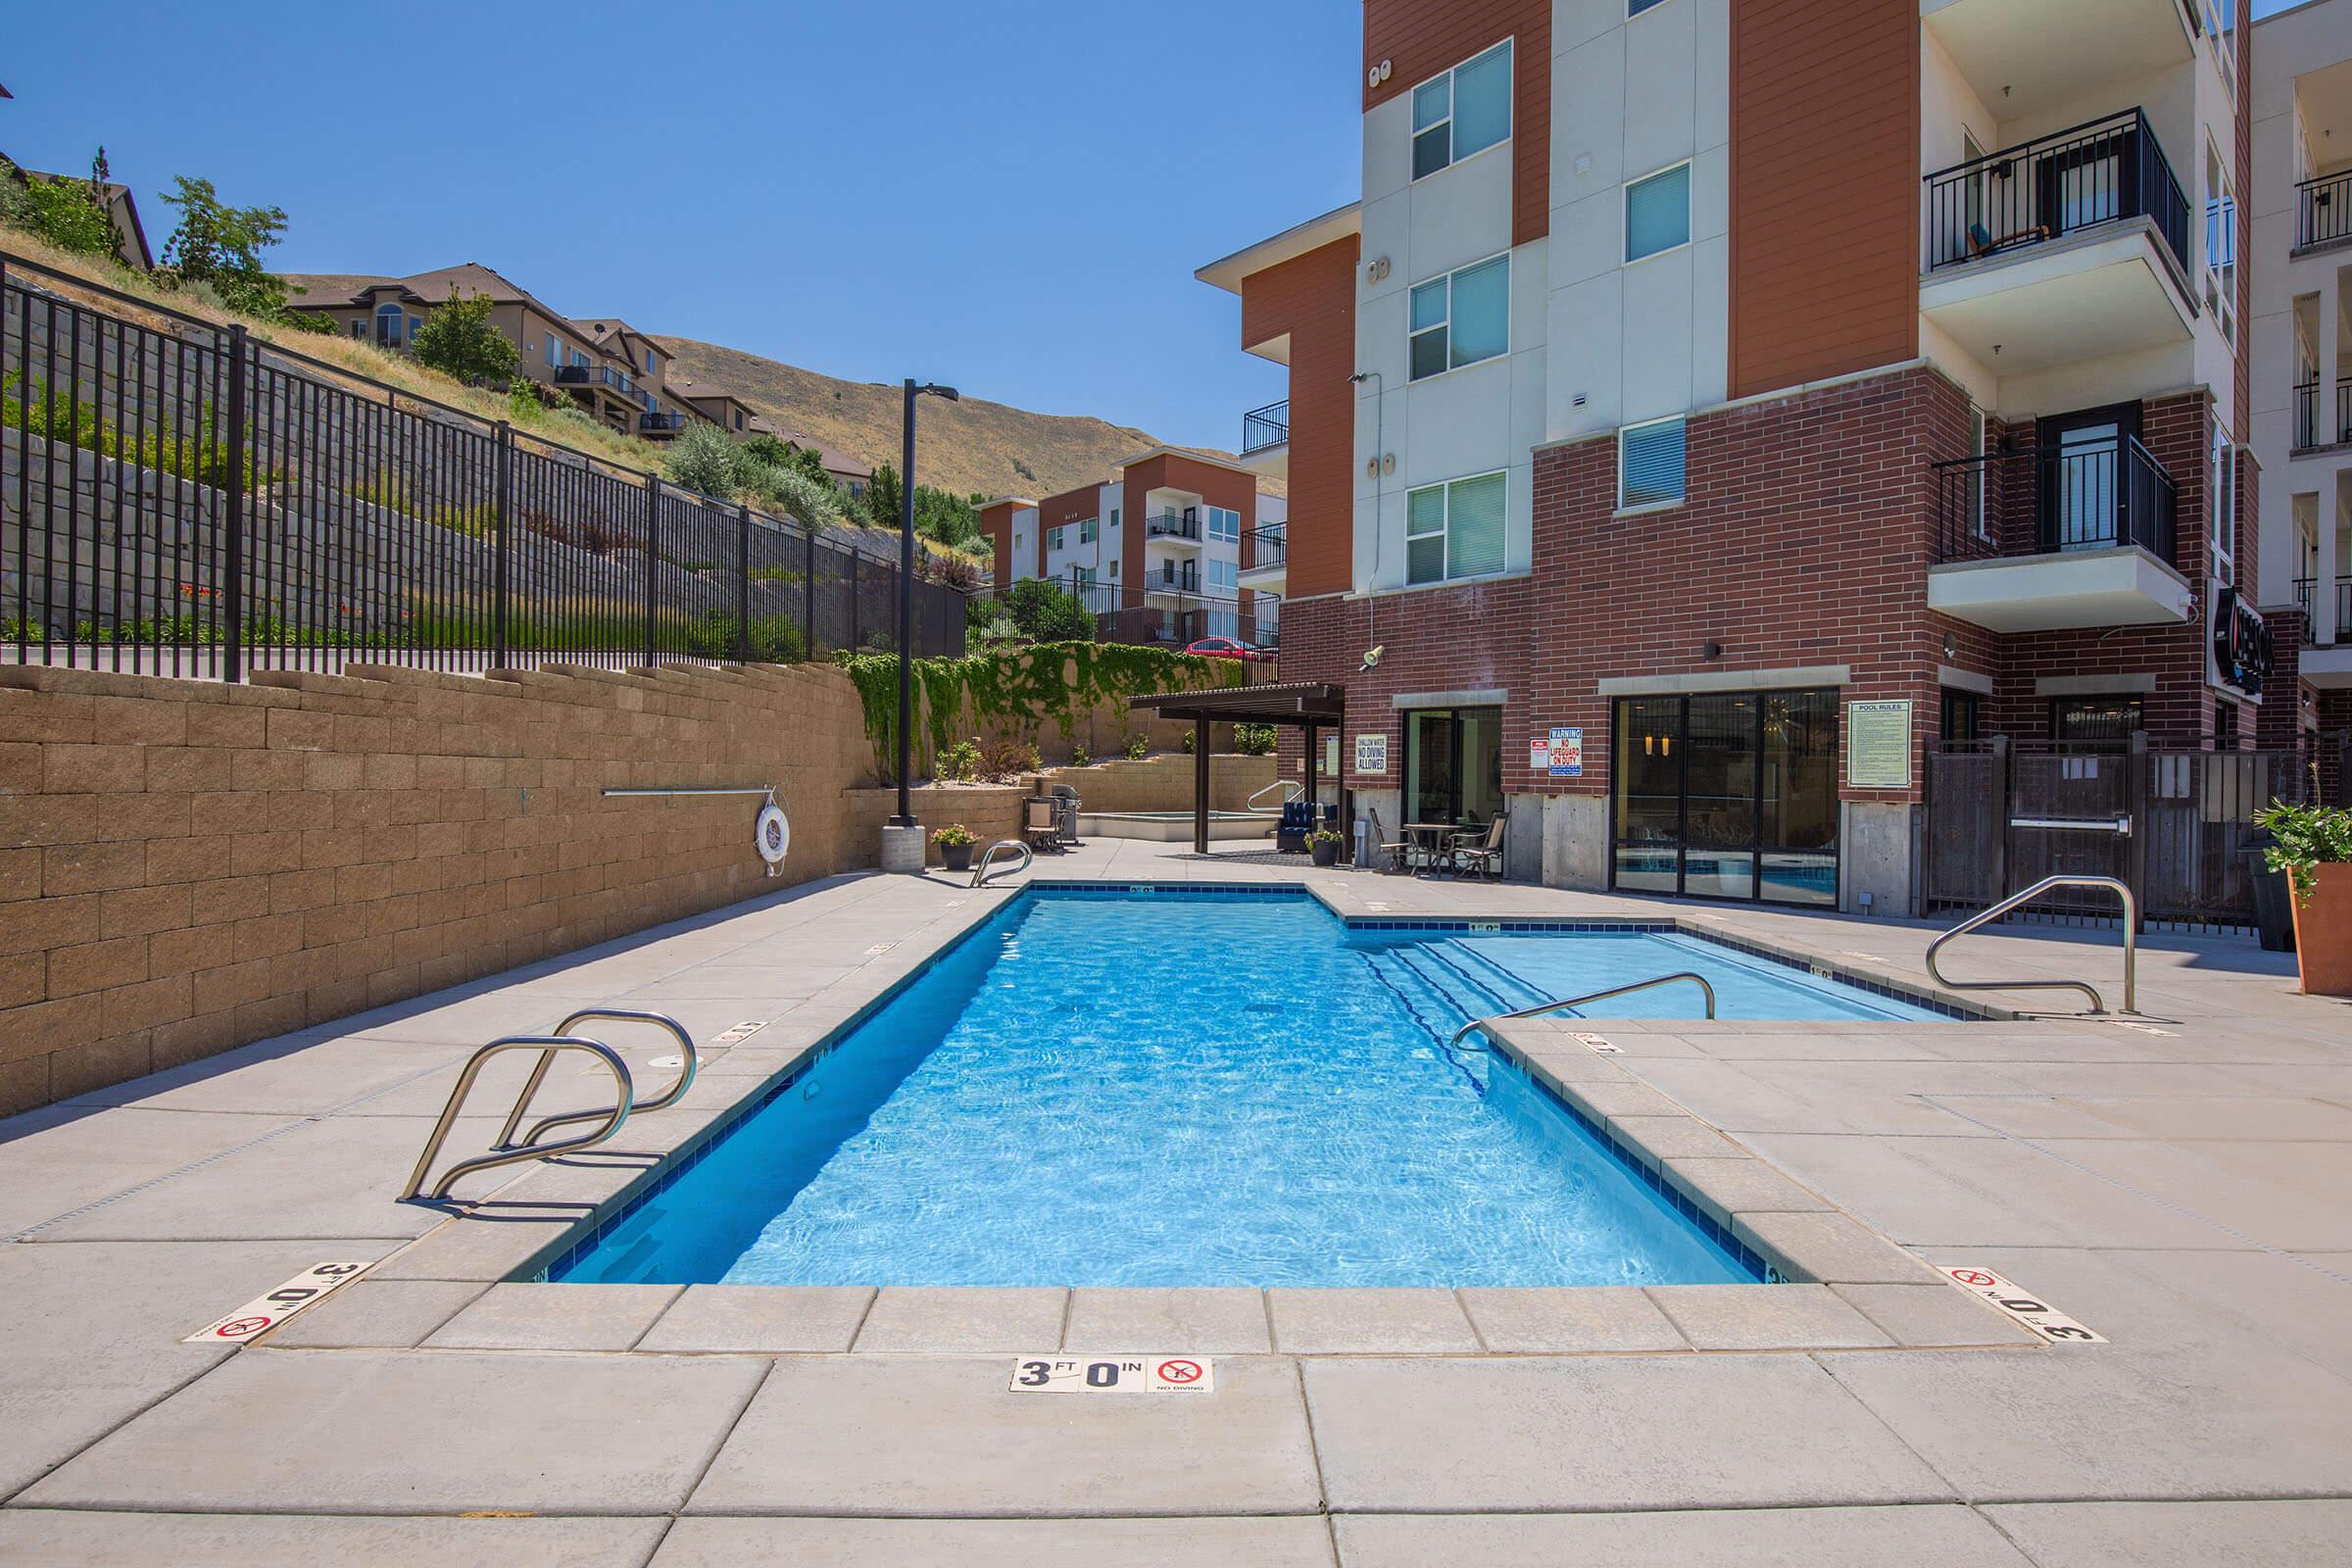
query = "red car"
x=1229 y=648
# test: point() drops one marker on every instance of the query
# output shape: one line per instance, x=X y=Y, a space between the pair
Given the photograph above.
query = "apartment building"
x=1717 y=414
x=2301 y=242
x=1174 y=547
x=613 y=372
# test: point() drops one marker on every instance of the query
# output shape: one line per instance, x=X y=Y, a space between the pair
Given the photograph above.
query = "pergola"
x=1309 y=704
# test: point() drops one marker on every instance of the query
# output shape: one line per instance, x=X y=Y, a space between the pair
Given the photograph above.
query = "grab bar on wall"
x=1480 y=1025
x=665 y=790
x=1985 y=916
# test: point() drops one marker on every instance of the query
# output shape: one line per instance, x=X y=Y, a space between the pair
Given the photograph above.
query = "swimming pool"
x=1205 y=1087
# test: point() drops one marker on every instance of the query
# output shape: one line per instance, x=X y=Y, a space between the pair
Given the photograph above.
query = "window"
x=1112 y=571
x=1465 y=111
x=1462 y=318
x=1650 y=462
x=2221 y=246
x=1082 y=576
x=2222 y=488
x=2102 y=722
x=359 y=328
x=1634 y=8
x=1115 y=519
x=2220 y=26
x=1088 y=531
x=1224 y=523
x=1453 y=530
x=387 y=324
x=1054 y=537
x=1657 y=212
x=649 y=362
x=1224 y=576
x=1963 y=715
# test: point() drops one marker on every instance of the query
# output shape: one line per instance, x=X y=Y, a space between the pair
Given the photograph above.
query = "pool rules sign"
x=1055 y=1373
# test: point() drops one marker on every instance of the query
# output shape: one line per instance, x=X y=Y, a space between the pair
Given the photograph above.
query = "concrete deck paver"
x=1773 y=1537
x=1792 y=1317
x=771 y=1318
x=54 y=1161
x=555 y=1318
x=1435 y=1435
x=998 y=1543
x=375 y=1314
x=1213 y=1322
x=1598 y=1319
x=1935 y=1314
x=1331 y=1322
x=959 y=1318
x=72 y=1539
x=360 y=1431
x=2178 y=1534
x=876 y=1435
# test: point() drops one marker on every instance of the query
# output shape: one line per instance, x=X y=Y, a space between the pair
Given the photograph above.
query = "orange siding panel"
x=1421 y=38
x=1312 y=298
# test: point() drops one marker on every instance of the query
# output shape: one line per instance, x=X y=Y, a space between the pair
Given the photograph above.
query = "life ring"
x=771 y=835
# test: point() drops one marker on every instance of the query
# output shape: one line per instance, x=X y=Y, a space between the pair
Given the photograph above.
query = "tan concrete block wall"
x=1165 y=783
x=189 y=865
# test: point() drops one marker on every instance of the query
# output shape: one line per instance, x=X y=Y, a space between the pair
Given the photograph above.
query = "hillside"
x=971 y=446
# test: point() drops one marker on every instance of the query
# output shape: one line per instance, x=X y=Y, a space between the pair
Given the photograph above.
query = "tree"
x=882 y=499
x=460 y=339
x=70 y=214
x=221 y=246
x=1046 y=612
x=707 y=459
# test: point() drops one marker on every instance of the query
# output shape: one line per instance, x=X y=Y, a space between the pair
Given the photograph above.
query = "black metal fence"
x=2324 y=209
x=2039 y=499
x=2308 y=431
x=2101 y=171
x=178 y=498
x=2173 y=824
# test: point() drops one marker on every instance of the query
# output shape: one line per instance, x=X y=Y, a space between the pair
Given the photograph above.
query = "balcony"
x=2309 y=432
x=2323 y=209
x=2305 y=588
x=653 y=422
x=1266 y=559
x=1175 y=527
x=2033 y=58
x=1266 y=440
x=2047 y=538
x=2070 y=247
x=1173 y=577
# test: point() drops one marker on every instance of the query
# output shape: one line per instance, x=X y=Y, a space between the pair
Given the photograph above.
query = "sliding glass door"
x=1728 y=795
x=1453 y=765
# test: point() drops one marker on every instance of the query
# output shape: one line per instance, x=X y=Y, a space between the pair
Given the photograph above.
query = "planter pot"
x=1326 y=853
x=2324 y=933
x=957 y=857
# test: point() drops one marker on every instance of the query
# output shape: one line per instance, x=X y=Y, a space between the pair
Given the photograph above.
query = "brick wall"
x=186 y=866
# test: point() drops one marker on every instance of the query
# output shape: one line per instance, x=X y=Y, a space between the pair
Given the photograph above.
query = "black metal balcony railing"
x=1268 y=547
x=1169 y=578
x=1269 y=426
x=2102 y=171
x=2324 y=209
x=2304 y=587
x=651 y=420
x=2308 y=431
x=2044 y=499
x=1172 y=525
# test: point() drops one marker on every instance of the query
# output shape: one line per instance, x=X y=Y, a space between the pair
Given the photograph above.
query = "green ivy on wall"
x=1020 y=690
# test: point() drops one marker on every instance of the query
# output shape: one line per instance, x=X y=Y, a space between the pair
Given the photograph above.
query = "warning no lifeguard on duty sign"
x=1113 y=1374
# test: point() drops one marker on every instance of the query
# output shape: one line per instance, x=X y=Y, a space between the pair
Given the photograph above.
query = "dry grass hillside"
x=967 y=447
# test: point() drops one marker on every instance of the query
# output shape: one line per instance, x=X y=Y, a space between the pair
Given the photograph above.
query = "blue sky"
x=1009 y=197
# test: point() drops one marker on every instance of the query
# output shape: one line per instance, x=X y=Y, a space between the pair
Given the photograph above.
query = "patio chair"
x=1399 y=854
x=1041 y=822
x=1297 y=822
x=1480 y=853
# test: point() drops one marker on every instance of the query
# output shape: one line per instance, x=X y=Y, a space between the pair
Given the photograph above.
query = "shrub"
x=70 y=214
x=1008 y=758
x=1080 y=757
x=2308 y=837
x=775 y=639
x=196 y=452
x=789 y=490
x=1254 y=740
x=952 y=571
x=459 y=339
x=1137 y=747
x=704 y=457
x=1189 y=743
x=960 y=764
x=1046 y=612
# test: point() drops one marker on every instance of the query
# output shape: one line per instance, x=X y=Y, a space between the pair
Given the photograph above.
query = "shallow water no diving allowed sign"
x=1052 y=1373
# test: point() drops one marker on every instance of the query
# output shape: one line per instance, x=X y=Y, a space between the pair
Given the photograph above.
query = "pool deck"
x=2175 y=1185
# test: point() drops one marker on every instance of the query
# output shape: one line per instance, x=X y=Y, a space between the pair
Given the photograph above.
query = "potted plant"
x=2314 y=848
x=1324 y=845
x=955 y=842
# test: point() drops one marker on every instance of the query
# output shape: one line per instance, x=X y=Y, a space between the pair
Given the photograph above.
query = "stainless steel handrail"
x=619 y=1113
x=1479 y=1026
x=530 y=1088
x=1295 y=788
x=2113 y=885
x=1027 y=855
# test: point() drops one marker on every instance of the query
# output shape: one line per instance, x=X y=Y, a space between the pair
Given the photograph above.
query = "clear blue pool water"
x=1206 y=1089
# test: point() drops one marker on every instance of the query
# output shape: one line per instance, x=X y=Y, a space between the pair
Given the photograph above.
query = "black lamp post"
x=906 y=816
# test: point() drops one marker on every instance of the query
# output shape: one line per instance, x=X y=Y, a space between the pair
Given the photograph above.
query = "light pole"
x=906 y=816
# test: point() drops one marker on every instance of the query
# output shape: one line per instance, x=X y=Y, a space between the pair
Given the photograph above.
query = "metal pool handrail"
x=1480 y=1025
x=2113 y=885
x=623 y=1097
x=667 y=1096
x=1027 y=855
x=1295 y=788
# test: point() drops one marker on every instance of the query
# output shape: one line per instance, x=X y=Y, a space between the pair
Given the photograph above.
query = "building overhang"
x=2079 y=297
x=1264 y=579
x=2329 y=669
x=2030 y=56
x=1270 y=461
x=1227 y=272
x=2121 y=586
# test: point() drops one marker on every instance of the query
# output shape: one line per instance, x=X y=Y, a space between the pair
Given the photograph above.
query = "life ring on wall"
x=771 y=835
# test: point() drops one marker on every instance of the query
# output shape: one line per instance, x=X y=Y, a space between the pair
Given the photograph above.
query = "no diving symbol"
x=1969 y=1276
x=238 y=1328
x=1180 y=1371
